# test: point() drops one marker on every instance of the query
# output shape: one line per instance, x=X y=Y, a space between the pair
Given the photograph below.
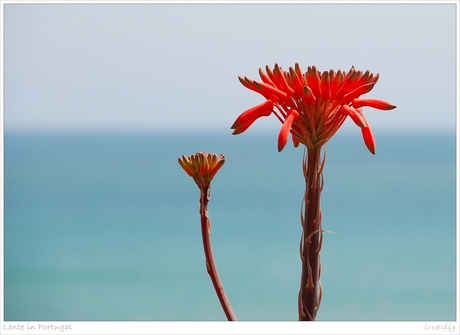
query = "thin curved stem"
x=210 y=265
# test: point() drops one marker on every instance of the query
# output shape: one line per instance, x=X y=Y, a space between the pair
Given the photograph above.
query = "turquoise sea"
x=106 y=227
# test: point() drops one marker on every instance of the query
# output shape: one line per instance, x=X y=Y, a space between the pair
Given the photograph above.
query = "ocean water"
x=105 y=227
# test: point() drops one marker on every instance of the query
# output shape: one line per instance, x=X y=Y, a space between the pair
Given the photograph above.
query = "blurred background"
x=175 y=67
x=101 y=223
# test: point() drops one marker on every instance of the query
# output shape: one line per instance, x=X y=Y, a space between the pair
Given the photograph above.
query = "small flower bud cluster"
x=202 y=167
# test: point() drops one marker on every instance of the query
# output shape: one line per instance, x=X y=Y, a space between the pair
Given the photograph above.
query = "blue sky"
x=175 y=67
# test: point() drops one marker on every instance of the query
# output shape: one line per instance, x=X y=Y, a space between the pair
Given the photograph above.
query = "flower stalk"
x=210 y=264
x=310 y=245
x=202 y=167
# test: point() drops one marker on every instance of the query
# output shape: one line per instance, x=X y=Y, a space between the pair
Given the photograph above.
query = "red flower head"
x=313 y=105
x=202 y=167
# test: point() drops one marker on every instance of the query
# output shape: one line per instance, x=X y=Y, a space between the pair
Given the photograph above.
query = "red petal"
x=298 y=70
x=246 y=82
x=278 y=72
x=373 y=78
x=248 y=117
x=354 y=114
x=347 y=83
x=313 y=81
x=374 y=103
x=325 y=85
x=202 y=165
x=271 y=76
x=308 y=95
x=276 y=80
x=242 y=127
x=185 y=164
x=295 y=141
x=218 y=161
x=296 y=81
x=369 y=139
x=249 y=83
x=358 y=91
x=335 y=84
x=263 y=88
x=286 y=128
x=265 y=78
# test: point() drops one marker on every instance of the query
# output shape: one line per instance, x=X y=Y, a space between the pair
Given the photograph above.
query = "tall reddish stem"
x=310 y=244
x=210 y=265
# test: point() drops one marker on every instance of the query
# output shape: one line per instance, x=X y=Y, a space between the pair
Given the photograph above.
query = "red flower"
x=312 y=105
